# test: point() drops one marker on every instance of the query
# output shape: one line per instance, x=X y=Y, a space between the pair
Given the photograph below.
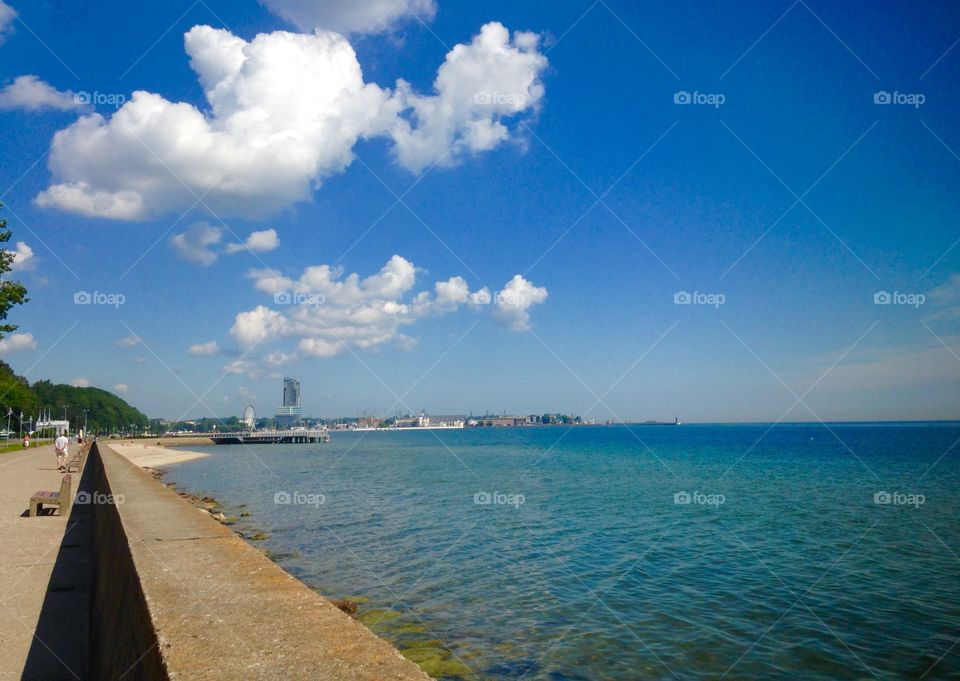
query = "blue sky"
x=557 y=148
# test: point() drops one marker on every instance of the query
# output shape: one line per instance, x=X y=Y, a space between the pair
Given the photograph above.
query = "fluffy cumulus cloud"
x=352 y=16
x=23 y=258
x=17 y=342
x=204 y=349
x=194 y=244
x=513 y=302
x=284 y=111
x=478 y=88
x=32 y=94
x=324 y=313
x=7 y=15
x=258 y=242
x=121 y=388
x=80 y=383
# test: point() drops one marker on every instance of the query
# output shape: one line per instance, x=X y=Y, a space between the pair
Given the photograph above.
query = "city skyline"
x=722 y=228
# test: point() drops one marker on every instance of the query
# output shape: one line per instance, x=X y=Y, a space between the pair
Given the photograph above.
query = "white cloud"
x=80 y=383
x=258 y=242
x=512 y=303
x=204 y=349
x=7 y=15
x=244 y=392
x=244 y=366
x=128 y=342
x=121 y=388
x=257 y=325
x=194 y=244
x=17 y=342
x=276 y=359
x=283 y=113
x=325 y=313
x=478 y=86
x=32 y=94
x=352 y=16
x=23 y=259
x=946 y=298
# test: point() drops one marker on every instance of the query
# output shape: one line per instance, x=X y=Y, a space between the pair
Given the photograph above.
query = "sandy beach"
x=154 y=456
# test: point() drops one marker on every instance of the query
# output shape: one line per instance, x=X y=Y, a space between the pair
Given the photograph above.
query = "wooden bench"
x=62 y=499
x=73 y=466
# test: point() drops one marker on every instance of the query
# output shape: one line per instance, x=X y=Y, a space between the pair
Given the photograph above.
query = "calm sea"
x=648 y=552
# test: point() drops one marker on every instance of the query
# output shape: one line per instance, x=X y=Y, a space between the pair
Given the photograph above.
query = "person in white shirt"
x=60 y=446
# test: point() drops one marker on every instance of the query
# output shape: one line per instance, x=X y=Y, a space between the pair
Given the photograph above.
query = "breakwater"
x=177 y=595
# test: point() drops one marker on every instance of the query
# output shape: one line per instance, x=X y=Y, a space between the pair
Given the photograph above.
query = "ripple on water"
x=599 y=575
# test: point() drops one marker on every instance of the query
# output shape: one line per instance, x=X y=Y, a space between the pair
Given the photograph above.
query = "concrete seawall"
x=177 y=595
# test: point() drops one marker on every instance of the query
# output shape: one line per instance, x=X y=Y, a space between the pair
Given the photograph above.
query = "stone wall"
x=179 y=596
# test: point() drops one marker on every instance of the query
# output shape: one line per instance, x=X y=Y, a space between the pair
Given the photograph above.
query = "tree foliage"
x=105 y=411
x=11 y=292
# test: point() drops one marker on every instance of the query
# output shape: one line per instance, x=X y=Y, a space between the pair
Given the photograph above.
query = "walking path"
x=44 y=575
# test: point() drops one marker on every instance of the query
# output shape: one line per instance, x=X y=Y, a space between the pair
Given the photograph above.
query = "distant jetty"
x=270 y=437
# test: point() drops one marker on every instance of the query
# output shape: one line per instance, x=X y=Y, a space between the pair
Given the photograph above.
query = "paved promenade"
x=138 y=584
x=44 y=575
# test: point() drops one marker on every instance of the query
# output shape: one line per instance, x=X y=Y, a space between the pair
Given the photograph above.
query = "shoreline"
x=410 y=639
x=150 y=456
x=151 y=548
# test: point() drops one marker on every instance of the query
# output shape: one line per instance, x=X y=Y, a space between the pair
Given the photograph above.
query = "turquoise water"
x=782 y=566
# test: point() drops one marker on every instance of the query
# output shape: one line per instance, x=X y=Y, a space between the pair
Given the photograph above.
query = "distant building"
x=291 y=392
x=288 y=414
x=447 y=420
x=504 y=421
x=57 y=427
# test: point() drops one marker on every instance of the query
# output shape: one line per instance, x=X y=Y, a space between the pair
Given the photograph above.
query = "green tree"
x=11 y=292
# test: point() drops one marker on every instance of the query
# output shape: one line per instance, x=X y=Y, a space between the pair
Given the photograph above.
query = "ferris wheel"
x=250 y=417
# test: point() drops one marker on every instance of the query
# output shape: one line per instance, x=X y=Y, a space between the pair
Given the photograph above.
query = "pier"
x=270 y=437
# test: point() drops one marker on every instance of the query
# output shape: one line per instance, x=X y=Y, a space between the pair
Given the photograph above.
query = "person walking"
x=60 y=446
